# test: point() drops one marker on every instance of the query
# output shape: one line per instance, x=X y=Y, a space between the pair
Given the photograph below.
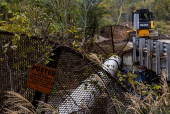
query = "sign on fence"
x=41 y=78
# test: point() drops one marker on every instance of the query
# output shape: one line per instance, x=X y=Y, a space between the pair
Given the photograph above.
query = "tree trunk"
x=119 y=14
x=65 y=13
x=4 y=15
x=85 y=22
x=84 y=33
x=65 y=19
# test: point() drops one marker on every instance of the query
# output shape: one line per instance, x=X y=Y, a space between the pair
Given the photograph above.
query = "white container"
x=86 y=96
x=112 y=64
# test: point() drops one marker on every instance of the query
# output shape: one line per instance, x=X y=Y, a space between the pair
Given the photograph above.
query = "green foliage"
x=161 y=27
x=4 y=7
x=156 y=87
x=161 y=10
x=106 y=21
x=143 y=4
x=47 y=18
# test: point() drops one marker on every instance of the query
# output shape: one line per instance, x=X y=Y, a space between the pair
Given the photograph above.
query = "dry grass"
x=47 y=107
x=17 y=104
x=83 y=106
x=95 y=59
x=152 y=103
x=97 y=78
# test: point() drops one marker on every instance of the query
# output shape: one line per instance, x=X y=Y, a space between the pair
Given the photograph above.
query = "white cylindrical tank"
x=112 y=64
x=85 y=93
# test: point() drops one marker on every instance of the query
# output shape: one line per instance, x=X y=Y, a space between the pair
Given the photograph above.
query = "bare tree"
x=121 y=4
x=87 y=5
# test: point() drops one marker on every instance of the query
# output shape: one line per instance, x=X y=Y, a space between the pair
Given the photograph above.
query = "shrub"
x=161 y=26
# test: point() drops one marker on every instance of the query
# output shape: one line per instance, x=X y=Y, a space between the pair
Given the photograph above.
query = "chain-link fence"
x=17 y=54
x=109 y=40
x=75 y=89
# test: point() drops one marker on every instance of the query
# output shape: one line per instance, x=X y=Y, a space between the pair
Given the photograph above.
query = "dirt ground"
x=105 y=41
x=119 y=34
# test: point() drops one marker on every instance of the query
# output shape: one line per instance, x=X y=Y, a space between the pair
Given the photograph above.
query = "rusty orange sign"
x=41 y=78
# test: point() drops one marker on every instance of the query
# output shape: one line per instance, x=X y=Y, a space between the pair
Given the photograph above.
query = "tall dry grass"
x=93 y=57
x=17 y=104
x=152 y=103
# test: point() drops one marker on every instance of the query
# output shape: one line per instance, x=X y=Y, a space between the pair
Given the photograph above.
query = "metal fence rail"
x=157 y=54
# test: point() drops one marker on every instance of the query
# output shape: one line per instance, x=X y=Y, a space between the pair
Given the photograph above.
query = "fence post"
x=168 y=61
x=159 y=49
x=141 y=46
x=52 y=64
x=137 y=41
x=148 y=52
x=157 y=58
x=152 y=45
x=112 y=38
x=145 y=55
x=134 y=49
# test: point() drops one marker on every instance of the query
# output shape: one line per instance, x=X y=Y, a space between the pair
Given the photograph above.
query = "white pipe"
x=111 y=65
x=84 y=93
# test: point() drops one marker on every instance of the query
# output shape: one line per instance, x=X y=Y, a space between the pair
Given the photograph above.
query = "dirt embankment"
x=104 y=40
x=119 y=35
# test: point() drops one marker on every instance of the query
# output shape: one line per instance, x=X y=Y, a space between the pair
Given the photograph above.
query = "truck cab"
x=145 y=24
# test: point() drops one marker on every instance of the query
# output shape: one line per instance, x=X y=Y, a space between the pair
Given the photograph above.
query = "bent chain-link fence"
x=15 y=63
x=102 y=43
x=75 y=90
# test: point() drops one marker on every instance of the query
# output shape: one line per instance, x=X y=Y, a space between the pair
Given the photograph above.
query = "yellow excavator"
x=146 y=25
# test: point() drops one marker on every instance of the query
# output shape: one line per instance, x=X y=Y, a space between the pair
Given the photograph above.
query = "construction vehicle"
x=145 y=25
